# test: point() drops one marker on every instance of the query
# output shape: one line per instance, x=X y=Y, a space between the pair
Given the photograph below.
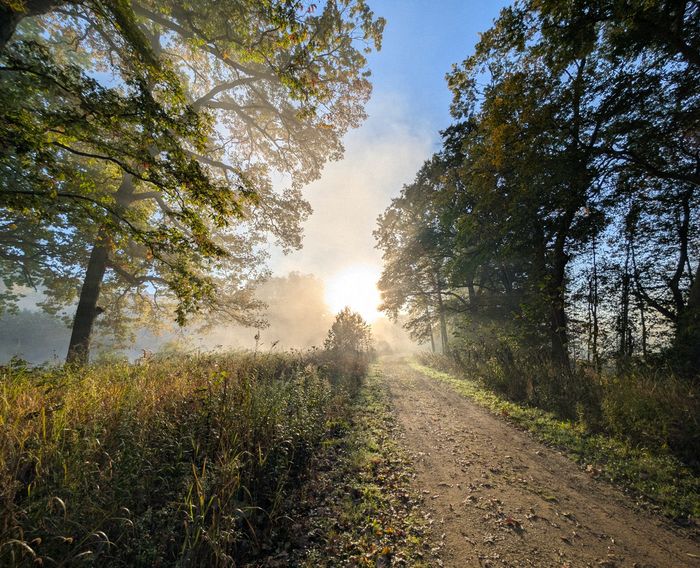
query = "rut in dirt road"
x=499 y=498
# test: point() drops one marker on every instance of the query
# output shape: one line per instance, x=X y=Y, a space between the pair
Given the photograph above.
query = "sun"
x=355 y=287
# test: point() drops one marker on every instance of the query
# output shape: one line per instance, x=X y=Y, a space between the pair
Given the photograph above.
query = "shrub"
x=348 y=349
x=654 y=409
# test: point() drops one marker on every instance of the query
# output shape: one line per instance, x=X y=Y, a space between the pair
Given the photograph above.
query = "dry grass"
x=180 y=459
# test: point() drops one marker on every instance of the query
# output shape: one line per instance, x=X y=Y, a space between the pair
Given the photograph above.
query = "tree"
x=567 y=197
x=651 y=51
x=580 y=101
x=349 y=334
x=262 y=88
x=67 y=140
x=415 y=249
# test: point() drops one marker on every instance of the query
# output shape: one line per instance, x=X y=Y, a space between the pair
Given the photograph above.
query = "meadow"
x=171 y=460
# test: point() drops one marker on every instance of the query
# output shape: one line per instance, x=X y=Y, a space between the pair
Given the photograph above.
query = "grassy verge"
x=181 y=460
x=356 y=508
x=653 y=477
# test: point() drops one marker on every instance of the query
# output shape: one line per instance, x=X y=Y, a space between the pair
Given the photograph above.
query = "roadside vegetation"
x=626 y=445
x=173 y=459
x=358 y=506
x=184 y=459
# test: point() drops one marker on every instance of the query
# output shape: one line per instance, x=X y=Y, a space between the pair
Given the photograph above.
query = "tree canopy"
x=141 y=141
x=563 y=215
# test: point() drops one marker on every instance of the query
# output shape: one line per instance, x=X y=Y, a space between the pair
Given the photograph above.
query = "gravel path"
x=497 y=497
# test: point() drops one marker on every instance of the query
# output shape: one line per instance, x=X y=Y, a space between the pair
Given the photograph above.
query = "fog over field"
x=297 y=316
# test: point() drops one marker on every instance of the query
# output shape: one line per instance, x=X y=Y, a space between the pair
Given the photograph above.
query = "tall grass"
x=178 y=460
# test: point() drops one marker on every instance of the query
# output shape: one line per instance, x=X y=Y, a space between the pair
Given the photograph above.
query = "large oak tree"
x=170 y=194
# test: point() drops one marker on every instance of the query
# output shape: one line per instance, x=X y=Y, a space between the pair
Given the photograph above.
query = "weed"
x=181 y=459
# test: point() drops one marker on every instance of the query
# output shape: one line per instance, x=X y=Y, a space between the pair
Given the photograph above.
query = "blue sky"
x=409 y=106
x=422 y=40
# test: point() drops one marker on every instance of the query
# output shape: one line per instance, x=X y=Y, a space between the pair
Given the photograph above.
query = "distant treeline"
x=552 y=243
x=33 y=336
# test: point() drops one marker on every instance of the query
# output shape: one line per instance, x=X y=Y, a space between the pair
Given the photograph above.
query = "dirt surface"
x=497 y=497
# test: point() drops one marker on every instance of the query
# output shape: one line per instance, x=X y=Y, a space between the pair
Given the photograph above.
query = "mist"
x=296 y=317
x=350 y=195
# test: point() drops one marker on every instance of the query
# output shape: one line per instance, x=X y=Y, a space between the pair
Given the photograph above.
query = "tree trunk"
x=443 y=322
x=11 y=13
x=683 y=237
x=639 y=296
x=596 y=327
x=580 y=181
x=624 y=329
x=9 y=19
x=643 y=323
x=87 y=311
x=558 y=332
x=430 y=331
x=687 y=343
x=559 y=336
x=471 y=294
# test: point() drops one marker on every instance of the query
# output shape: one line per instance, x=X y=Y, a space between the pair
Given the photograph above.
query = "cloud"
x=380 y=157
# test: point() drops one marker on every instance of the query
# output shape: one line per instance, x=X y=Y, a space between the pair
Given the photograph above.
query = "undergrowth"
x=647 y=404
x=179 y=460
x=653 y=474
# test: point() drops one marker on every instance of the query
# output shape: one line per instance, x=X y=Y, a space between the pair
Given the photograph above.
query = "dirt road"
x=499 y=498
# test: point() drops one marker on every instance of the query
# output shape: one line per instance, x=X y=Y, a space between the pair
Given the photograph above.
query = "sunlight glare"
x=356 y=287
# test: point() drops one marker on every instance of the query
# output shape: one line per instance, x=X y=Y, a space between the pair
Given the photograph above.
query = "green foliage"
x=61 y=170
x=562 y=209
x=348 y=346
x=179 y=460
x=653 y=409
x=149 y=133
x=415 y=247
x=558 y=230
x=523 y=374
x=349 y=333
x=646 y=406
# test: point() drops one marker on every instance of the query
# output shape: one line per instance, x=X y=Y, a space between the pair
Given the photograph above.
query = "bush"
x=348 y=349
x=654 y=409
x=528 y=376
